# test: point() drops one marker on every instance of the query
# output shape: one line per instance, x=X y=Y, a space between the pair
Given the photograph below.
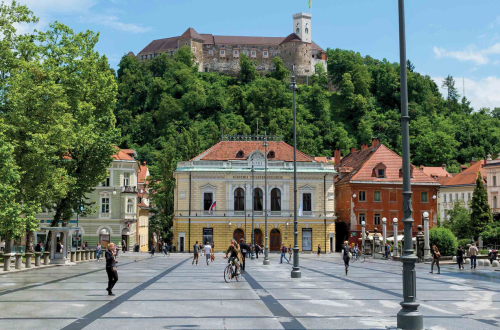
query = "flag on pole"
x=211 y=207
x=310 y=4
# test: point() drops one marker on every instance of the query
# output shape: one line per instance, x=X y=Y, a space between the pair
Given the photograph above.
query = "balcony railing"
x=130 y=216
x=241 y=214
x=129 y=190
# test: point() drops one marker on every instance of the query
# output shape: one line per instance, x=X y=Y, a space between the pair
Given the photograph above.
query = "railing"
x=129 y=189
x=130 y=216
x=241 y=214
x=244 y=164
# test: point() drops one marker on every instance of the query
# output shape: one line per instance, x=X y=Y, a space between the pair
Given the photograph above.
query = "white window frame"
x=253 y=54
x=208 y=188
x=210 y=52
x=265 y=54
x=307 y=190
x=236 y=53
x=130 y=206
x=126 y=179
x=222 y=53
x=193 y=49
x=105 y=215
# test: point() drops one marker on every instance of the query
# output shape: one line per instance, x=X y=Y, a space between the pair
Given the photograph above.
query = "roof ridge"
x=303 y=154
x=369 y=156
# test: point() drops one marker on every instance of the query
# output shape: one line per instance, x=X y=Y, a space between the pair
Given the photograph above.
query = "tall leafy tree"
x=481 y=213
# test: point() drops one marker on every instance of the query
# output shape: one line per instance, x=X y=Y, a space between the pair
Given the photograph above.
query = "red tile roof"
x=359 y=165
x=191 y=33
x=143 y=173
x=227 y=150
x=324 y=159
x=468 y=176
x=438 y=171
x=122 y=154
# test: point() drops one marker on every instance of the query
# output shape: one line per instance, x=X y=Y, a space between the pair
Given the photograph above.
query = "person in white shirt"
x=208 y=251
x=473 y=252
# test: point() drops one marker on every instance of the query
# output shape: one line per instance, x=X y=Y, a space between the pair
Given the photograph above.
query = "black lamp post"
x=296 y=269
x=253 y=225
x=409 y=316
x=266 y=252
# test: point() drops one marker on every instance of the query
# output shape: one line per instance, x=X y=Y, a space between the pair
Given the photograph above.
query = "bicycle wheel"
x=227 y=273
x=362 y=258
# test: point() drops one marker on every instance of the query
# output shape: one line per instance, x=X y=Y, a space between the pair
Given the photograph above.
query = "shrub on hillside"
x=445 y=241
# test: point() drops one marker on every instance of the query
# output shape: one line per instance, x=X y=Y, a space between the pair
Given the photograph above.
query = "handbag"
x=114 y=269
x=349 y=254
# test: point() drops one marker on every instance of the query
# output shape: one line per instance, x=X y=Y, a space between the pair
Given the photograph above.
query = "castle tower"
x=302 y=26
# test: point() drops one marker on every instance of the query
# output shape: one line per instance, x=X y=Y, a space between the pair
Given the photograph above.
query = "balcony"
x=129 y=190
x=130 y=217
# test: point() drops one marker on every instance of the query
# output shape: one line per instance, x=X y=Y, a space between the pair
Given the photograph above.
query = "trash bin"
x=136 y=248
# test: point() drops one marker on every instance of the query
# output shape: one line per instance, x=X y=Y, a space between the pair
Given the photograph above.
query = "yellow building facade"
x=214 y=202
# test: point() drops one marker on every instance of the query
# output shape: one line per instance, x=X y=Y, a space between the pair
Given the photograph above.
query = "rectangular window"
x=423 y=197
x=130 y=205
x=126 y=179
x=105 y=205
x=444 y=196
x=456 y=197
x=362 y=196
x=494 y=181
x=361 y=217
x=265 y=54
x=306 y=202
x=156 y=54
x=376 y=220
x=236 y=53
x=150 y=56
x=380 y=173
x=392 y=195
x=463 y=197
x=207 y=200
x=222 y=52
x=468 y=197
x=210 y=52
x=194 y=50
x=142 y=57
x=306 y=239
x=377 y=196
x=208 y=236
x=254 y=53
x=106 y=181
x=451 y=198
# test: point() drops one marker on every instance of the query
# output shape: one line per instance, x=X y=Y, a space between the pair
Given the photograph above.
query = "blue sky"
x=456 y=37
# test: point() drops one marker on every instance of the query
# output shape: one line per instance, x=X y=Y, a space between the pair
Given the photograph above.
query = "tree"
x=449 y=84
x=279 y=71
x=459 y=221
x=247 y=69
x=481 y=213
x=185 y=56
x=444 y=239
x=491 y=233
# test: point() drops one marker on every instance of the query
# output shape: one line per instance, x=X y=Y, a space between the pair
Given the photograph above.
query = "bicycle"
x=230 y=272
x=358 y=257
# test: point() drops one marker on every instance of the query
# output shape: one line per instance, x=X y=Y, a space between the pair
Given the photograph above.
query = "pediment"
x=208 y=186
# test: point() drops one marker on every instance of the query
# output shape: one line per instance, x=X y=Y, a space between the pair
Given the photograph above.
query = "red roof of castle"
x=227 y=150
x=191 y=33
x=359 y=166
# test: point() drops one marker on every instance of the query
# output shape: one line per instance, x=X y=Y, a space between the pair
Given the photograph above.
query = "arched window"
x=271 y=155
x=275 y=199
x=307 y=31
x=104 y=236
x=240 y=154
x=239 y=199
x=257 y=200
x=297 y=31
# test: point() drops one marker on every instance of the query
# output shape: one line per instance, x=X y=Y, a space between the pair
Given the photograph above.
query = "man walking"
x=195 y=251
x=208 y=251
x=283 y=253
x=473 y=251
x=244 y=248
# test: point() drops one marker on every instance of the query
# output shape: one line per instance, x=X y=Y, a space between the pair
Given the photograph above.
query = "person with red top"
x=283 y=253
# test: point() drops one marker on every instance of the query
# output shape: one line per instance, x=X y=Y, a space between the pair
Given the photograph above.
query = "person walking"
x=98 y=252
x=2 y=246
x=460 y=257
x=473 y=252
x=346 y=255
x=124 y=246
x=111 y=269
x=244 y=248
x=208 y=251
x=195 y=253
x=319 y=250
x=257 y=250
x=283 y=253
x=290 y=251
x=152 y=251
x=435 y=259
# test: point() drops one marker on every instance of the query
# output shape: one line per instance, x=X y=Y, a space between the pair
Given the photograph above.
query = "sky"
x=444 y=37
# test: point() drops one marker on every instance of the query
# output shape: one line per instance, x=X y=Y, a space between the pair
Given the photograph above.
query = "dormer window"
x=271 y=155
x=240 y=154
x=411 y=172
x=379 y=171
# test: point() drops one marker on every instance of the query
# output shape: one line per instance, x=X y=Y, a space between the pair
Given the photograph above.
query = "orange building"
x=369 y=188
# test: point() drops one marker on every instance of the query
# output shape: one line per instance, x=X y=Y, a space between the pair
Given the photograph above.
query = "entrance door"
x=341 y=235
x=125 y=238
x=238 y=234
x=257 y=233
x=181 y=244
x=331 y=242
x=306 y=239
x=275 y=240
x=208 y=236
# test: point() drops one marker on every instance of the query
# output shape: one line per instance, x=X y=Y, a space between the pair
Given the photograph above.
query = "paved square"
x=171 y=293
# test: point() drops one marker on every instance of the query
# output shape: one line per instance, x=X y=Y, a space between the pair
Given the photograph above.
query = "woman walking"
x=111 y=269
x=346 y=255
x=319 y=250
x=98 y=251
x=435 y=259
x=460 y=257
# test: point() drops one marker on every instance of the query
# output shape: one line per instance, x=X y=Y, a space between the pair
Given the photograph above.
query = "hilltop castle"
x=222 y=53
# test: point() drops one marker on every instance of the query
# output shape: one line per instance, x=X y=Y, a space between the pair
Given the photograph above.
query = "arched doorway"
x=341 y=235
x=258 y=237
x=275 y=238
x=238 y=234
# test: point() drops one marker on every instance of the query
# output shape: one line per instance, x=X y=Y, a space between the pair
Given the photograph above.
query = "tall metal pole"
x=266 y=251
x=253 y=225
x=296 y=269
x=409 y=316
x=245 y=209
x=189 y=225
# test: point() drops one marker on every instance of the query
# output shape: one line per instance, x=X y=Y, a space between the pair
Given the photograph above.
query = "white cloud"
x=114 y=23
x=470 y=53
x=484 y=92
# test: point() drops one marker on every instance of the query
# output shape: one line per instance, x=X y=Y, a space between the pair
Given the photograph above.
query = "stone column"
x=92 y=252
x=53 y=246
x=375 y=238
x=6 y=261
x=78 y=255
x=87 y=255
x=395 y=231
x=19 y=260
x=427 y=248
x=38 y=256
x=46 y=258
x=28 y=256
x=73 y=256
x=363 y=236
x=384 y=230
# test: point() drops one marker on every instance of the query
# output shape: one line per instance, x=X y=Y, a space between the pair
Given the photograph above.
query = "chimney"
x=336 y=154
x=473 y=161
x=421 y=167
x=463 y=168
x=443 y=166
x=352 y=150
x=375 y=142
x=364 y=146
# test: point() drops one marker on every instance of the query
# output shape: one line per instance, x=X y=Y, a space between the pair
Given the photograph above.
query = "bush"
x=483 y=252
x=444 y=239
x=463 y=242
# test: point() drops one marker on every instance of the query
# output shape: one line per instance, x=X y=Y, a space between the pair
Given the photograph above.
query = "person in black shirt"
x=111 y=269
x=460 y=258
x=244 y=248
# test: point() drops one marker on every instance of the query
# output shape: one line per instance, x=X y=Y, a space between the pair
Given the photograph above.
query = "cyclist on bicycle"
x=233 y=252
x=356 y=251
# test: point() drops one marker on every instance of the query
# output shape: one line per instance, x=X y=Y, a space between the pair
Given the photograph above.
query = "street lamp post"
x=296 y=269
x=363 y=236
x=409 y=317
x=395 y=231
x=245 y=209
x=266 y=252
x=427 y=248
x=253 y=224
x=384 y=231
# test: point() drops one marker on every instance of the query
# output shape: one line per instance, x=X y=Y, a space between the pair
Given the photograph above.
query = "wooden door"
x=258 y=237
x=275 y=237
x=238 y=234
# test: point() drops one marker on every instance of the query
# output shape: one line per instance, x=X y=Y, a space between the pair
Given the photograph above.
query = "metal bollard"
x=28 y=256
x=19 y=260
x=38 y=256
x=46 y=258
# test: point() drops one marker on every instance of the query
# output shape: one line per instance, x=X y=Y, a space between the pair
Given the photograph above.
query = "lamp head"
x=426 y=214
x=353 y=195
x=363 y=223
x=395 y=220
x=384 y=220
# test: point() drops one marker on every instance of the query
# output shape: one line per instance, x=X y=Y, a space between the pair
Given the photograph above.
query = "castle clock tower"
x=302 y=26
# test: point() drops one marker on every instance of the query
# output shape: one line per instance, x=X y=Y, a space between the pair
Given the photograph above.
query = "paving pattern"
x=171 y=293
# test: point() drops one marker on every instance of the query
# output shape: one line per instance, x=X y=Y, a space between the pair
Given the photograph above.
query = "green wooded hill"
x=166 y=101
